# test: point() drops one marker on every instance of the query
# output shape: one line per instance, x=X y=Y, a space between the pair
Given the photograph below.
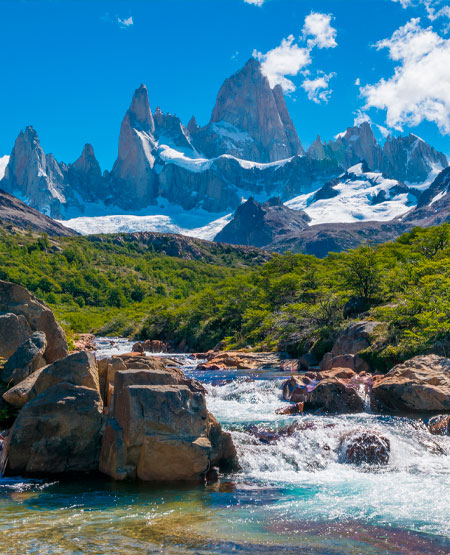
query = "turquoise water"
x=294 y=493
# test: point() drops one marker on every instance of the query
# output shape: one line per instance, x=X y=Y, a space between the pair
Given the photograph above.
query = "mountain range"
x=249 y=148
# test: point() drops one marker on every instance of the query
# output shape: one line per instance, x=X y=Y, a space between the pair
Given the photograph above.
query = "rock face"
x=58 y=429
x=421 y=384
x=257 y=224
x=404 y=158
x=28 y=358
x=160 y=430
x=35 y=176
x=133 y=178
x=49 y=186
x=17 y=300
x=85 y=176
x=15 y=213
x=250 y=120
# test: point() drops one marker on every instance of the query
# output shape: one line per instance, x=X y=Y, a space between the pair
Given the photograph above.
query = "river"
x=294 y=494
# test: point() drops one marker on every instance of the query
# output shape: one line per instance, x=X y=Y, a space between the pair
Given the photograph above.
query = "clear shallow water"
x=293 y=495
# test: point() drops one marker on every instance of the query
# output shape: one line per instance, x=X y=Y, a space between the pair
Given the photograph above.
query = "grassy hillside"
x=206 y=292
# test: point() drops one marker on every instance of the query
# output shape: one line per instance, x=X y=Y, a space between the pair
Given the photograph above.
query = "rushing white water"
x=293 y=480
x=411 y=491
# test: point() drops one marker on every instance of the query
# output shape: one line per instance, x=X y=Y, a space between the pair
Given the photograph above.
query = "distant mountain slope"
x=357 y=195
x=260 y=224
x=409 y=159
x=16 y=213
x=250 y=147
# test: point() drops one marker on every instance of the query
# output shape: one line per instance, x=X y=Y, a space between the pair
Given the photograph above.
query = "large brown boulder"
x=27 y=359
x=57 y=432
x=420 y=384
x=14 y=330
x=160 y=430
x=17 y=300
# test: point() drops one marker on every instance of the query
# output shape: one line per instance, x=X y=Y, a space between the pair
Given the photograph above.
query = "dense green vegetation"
x=109 y=284
x=296 y=303
x=299 y=303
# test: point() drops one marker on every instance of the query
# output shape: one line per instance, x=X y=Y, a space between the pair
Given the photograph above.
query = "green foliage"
x=115 y=285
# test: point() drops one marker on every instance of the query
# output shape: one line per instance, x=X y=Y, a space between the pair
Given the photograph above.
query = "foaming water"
x=307 y=462
x=293 y=494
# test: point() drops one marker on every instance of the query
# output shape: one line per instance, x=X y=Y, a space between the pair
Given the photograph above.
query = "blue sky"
x=70 y=68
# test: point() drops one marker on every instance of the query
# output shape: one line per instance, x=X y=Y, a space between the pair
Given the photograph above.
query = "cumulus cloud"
x=255 y=2
x=290 y=58
x=361 y=117
x=420 y=87
x=317 y=89
x=287 y=59
x=318 y=27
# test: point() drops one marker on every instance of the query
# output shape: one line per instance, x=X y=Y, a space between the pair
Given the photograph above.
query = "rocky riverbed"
x=362 y=463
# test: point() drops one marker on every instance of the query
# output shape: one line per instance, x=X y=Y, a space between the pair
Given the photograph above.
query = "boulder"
x=78 y=368
x=23 y=392
x=27 y=359
x=364 y=447
x=296 y=408
x=355 y=338
x=332 y=395
x=421 y=384
x=241 y=361
x=439 y=425
x=327 y=362
x=17 y=300
x=57 y=432
x=335 y=390
x=353 y=362
x=14 y=330
x=159 y=429
x=108 y=367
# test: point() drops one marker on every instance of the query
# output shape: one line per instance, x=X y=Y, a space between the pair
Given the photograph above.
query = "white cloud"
x=384 y=131
x=255 y=2
x=289 y=58
x=358 y=82
x=432 y=7
x=420 y=87
x=317 y=26
x=317 y=88
x=128 y=22
x=361 y=117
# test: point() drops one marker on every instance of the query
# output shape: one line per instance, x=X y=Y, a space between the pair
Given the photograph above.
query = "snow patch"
x=194 y=223
x=3 y=163
x=354 y=201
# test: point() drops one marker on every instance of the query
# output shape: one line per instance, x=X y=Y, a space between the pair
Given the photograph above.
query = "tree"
x=362 y=271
